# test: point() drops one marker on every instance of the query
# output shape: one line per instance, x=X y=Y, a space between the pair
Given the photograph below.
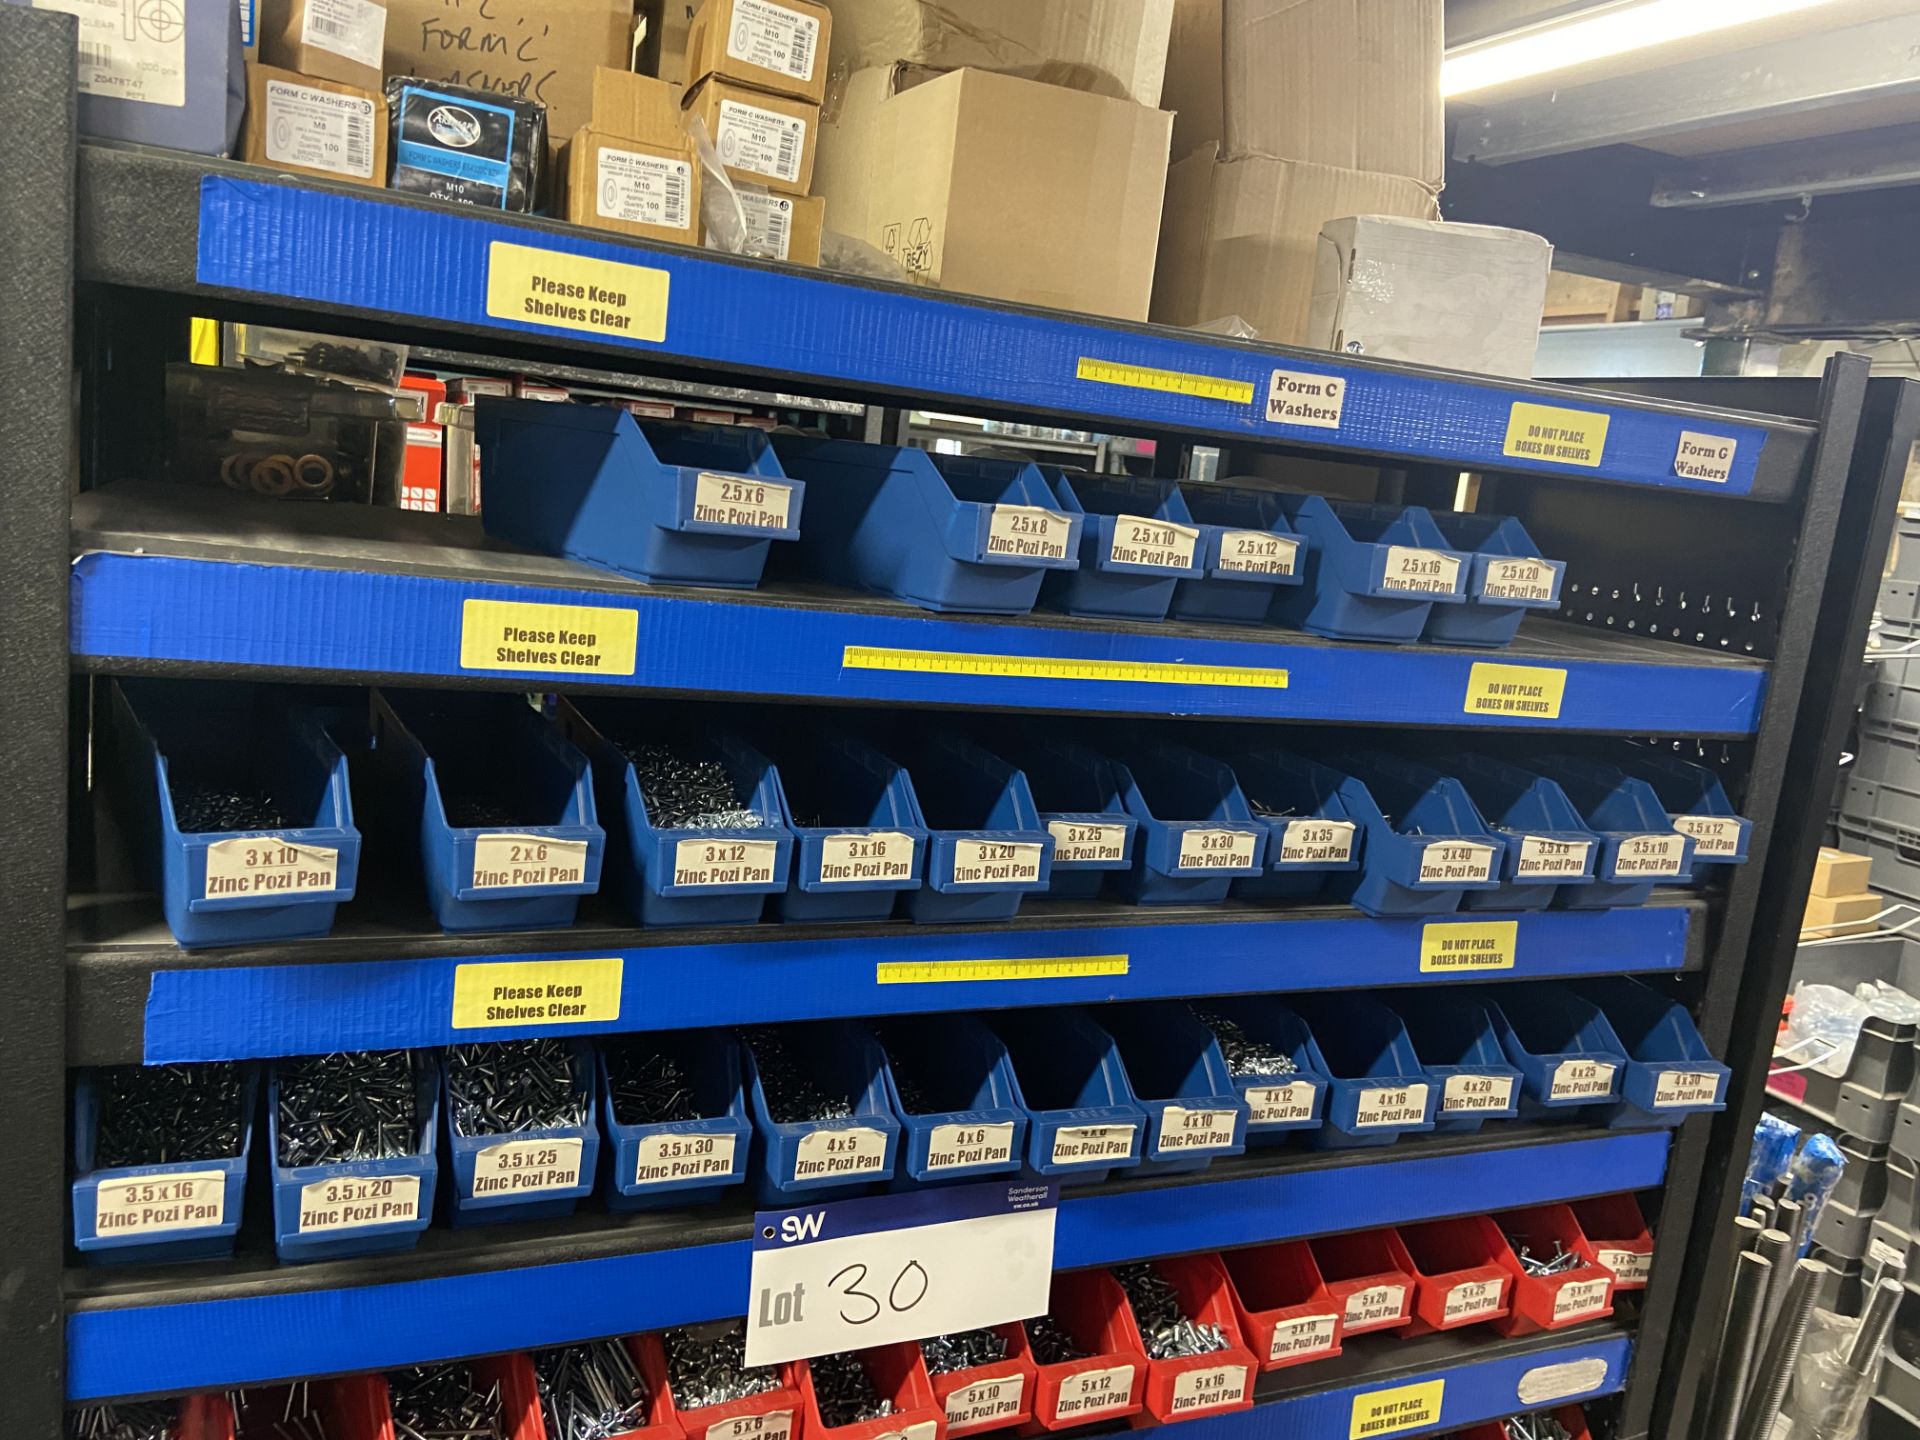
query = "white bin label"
x=984 y=1401
x=669 y=1156
x=1256 y=552
x=1092 y=1144
x=355 y=29
x=1217 y=849
x=1302 y=1336
x=1297 y=398
x=320 y=130
x=1159 y=543
x=1476 y=1094
x=1629 y=1267
x=1274 y=1104
x=924 y=1430
x=643 y=189
x=1685 y=1087
x=1704 y=457
x=711 y=863
x=1714 y=836
x=993 y=862
x=1078 y=844
x=961 y=1147
x=836 y=1154
x=525 y=1167
x=1581 y=1080
x=1519 y=580
x=1195 y=1390
x=1376 y=1305
x=1542 y=858
x=1184 y=1129
x=1580 y=1298
x=269 y=865
x=1399 y=1105
x=760 y=141
x=355 y=1200
x=742 y=500
x=1420 y=572
x=507 y=862
x=129 y=52
x=774 y=1425
x=1088 y=1393
x=1028 y=532
x=861 y=859
x=1456 y=862
x=155 y=1204
x=1317 y=842
x=1650 y=857
x=774 y=38
x=1472 y=1300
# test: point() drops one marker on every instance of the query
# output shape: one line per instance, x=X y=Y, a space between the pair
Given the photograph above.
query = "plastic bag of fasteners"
x=1829 y=1398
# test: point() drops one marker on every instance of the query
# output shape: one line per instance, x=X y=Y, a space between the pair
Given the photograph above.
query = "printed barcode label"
x=769 y=224
x=319 y=130
x=129 y=52
x=1420 y=572
x=1279 y=1104
x=1028 y=532
x=353 y=29
x=1157 y=544
x=1472 y=1300
x=988 y=862
x=775 y=1425
x=774 y=38
x=835 y=1154
x=1086 y=1144
x=761 y=141
x=1317 y=842
x=351 y=1201
x=873 y=855
x=1650 y=857
x=984 y=1402
x=961 y=1147
x=1456 y=862
x=672 y=1156
x=1580 y=1298
x=524 y=1167
x=1217 y=849
x=1581 y=1080
x=1087 y=1393
x=1255 y=552
x=1080 y=844
x=1543 y=858
x=1184 y=1129
x=742 y=500
x=1375 y=1306
x=709 y=863
x=1520 y=580
x=1685 y=1087
x=1629 y=1267
x=154 y=1204
x=1476 y=1094
x=1714 y=836
x=642 y=189
x=1195 y=1390
x=268 y=865
x=506 y=862
x=1398 y=1105
x=1302 y=1336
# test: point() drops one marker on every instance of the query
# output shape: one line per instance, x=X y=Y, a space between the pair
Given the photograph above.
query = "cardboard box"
x=763 y=139
x=543 y=50
x=632 y=186
x=1241 y=236
x=1116 y=48
x=1840 y=872
x=314 y=127
x=779 y=46
x=339 y=40
x=1829 y=915
x=1350 y=83
x=784 y=227
x=637 y=107
x=1463 y=297
x=991 y=185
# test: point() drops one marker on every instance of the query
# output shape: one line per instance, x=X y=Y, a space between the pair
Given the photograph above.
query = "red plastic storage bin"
x=1110 y=1383
x=1571 y=1416
x=1287 y=1315
x=1618 y=1233
x=209 y=1417
x=359 y=1407
x=1551 y=1302
x=356 y=1407
x=1460 y=1277
x=773 y=1415
x=1189 y=1386
x=898 y=1374
x=1370 y=1276
x=988 y=1397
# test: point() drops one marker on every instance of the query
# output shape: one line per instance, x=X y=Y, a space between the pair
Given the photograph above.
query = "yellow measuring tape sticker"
x=943 y=972
x=1043 y=667
x=1172 y=382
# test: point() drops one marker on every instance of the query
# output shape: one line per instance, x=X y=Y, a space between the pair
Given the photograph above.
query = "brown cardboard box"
x=779 y=46
x=1241 y=236
x=784 y=227
x=992 y=185
x=638 y=107
x=1106 y=47
x=1840 y=872
x=762 y=139
x=543 y=50
x=314 y=127
x=1828 y=915
x=1352 y=83
x=633 y=186
x=339 y=40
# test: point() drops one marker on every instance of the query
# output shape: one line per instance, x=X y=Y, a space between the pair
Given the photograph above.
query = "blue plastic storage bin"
x=361 y=1207
x=501 y=803
x=1454 y=1040
x=666 y=1164
x=1697 y=804
x=1178 y=1077
x=665 y=503
x=1077 y=793
x=235 y=887
x=886 y=518
x=1310 y=835
x=1197 y=835
x=527 y=1175
x=1426 y=846
x=1249 y=549
x=798 y=1161
x=858 y=837
x=1507 y=576
x=952 y=1086
x=683 y=875
x=1373 y=572
x=1549 y=846
x=189 y=1210
x=1566 y=1052
x=1276 y=1104
x=1639 y=848
x=1378 y=1090
x=1137 y=542
x=1670 y=1073
x=986 y=847
x=1068 y=1078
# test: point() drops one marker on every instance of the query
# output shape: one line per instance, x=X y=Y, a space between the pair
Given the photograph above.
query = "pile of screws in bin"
x=297 y=1418
x=1051 y=1343
x=707 y=1365
x=163 y=1114
x=1166 y=1327
x=648 y=1086
x=1558 y=1263
x=792 y=1094
x=345 y=1107
x=844 y=1391
x=683 y=793
x=1245 y=1055
x=1538 y=1426
x=591 y=1391
x=443 y=1402
x=965 y=1350
x=514 y=1086
x=149 y=1420
x=201 y=805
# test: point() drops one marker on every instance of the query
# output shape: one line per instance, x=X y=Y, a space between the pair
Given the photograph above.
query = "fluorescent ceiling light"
x=1619 y=30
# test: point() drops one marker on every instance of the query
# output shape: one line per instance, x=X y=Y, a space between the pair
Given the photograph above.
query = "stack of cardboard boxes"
x=313 y=98
x=631 y=168
x=1839 y=902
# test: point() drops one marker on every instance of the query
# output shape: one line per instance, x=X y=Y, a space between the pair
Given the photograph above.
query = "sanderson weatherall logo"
x=451 y=125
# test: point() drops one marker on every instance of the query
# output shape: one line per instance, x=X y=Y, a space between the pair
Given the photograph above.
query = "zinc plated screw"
x=146 y=1420
x=1051 y=1343
x=964 y=1350
x=443 y=1402
x=708 y=1366
x=844 y=1391
x=590 y=1392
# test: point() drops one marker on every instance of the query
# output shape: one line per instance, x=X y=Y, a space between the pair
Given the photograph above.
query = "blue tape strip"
x=206 y=1345
x=166 y=608
x=230 y=1012
x=398 y=262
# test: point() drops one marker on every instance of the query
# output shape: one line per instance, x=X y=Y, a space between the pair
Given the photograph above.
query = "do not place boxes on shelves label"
x=1388 y=1412
x=553 y=639
x=1448 y=947
x=154 y=1204
x=1533 y=692
x=1556 y=435
x=535 y=992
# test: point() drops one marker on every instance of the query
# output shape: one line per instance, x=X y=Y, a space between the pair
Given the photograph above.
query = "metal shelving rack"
x=109 y=249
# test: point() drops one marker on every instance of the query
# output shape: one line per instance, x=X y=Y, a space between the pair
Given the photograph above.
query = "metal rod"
x=1791 y=1216
x=1768 y=1387
x=1735 y=1362
x=1875 y=1321
x=1746 y=1233
x=1777 y=1247
x=1762 y=1209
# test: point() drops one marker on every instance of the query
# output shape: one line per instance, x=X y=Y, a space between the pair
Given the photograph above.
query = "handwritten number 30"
x=908 y=1290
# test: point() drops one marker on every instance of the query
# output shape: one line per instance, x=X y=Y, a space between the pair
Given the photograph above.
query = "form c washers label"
x=1042 y=667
